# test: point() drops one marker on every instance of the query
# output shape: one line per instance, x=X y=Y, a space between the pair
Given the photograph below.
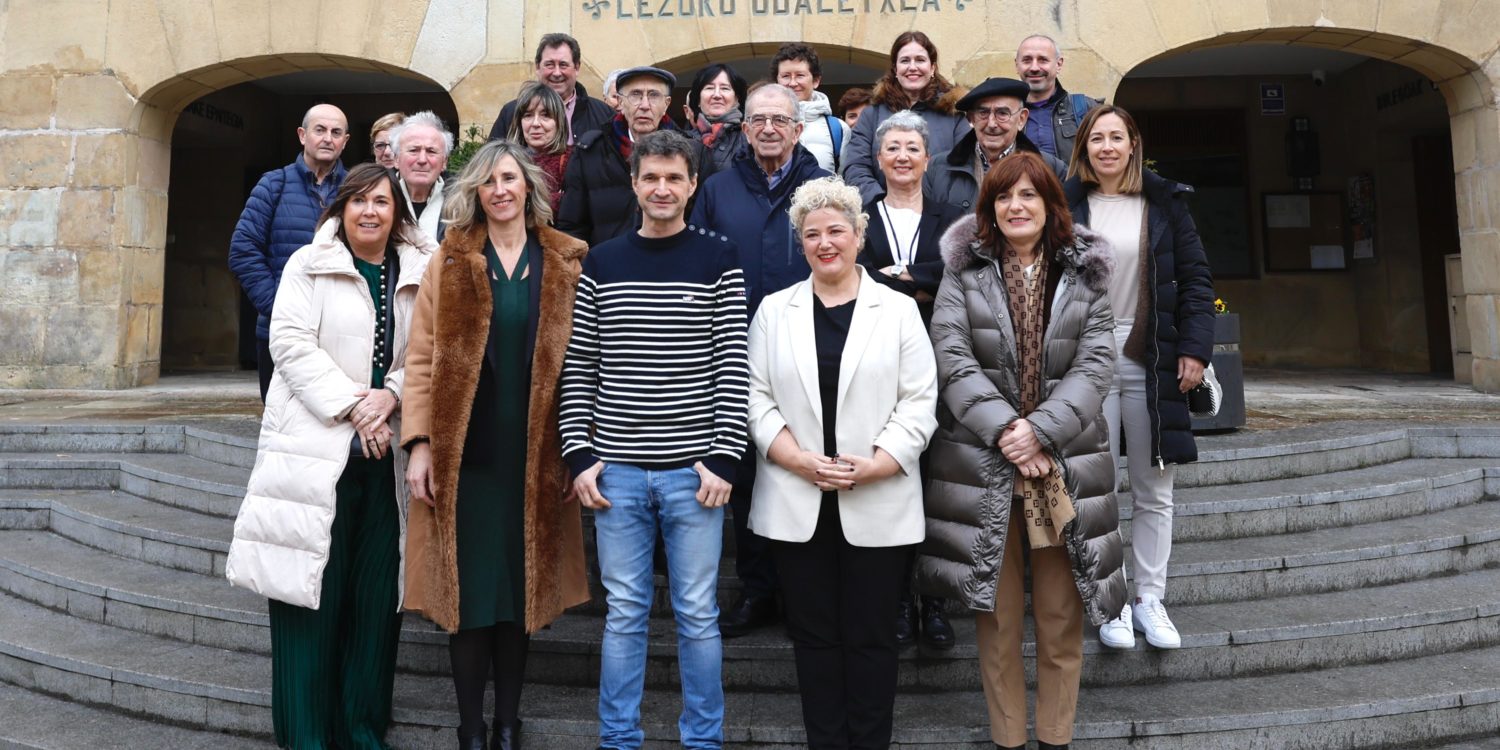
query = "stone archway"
x=1457 y=61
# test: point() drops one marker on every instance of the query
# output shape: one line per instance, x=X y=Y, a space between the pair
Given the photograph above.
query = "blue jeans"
x=640 y=501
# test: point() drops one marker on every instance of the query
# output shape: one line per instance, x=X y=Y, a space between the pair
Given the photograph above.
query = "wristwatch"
x=894 y=271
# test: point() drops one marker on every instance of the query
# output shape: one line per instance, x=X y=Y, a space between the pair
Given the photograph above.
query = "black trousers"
x=752 y=552
x=264 y=366
x=841 y=601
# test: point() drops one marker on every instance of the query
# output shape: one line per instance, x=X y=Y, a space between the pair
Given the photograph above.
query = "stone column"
x=1476 y=157
x=82 y=222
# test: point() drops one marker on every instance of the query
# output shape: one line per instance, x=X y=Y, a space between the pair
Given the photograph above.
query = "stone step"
x=1454 y=540
x=1219 y=640
x=1443 y=542
x=1399 y=489
x=128 y=526
x=32 y=721
x=1415 y=700
x=174 y=479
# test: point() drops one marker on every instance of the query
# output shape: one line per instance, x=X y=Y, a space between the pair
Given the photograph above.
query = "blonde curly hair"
x=828 y=192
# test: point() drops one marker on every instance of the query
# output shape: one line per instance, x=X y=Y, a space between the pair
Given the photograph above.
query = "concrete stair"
x=1336 y=587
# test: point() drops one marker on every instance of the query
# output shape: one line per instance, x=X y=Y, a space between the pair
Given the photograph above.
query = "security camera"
x=1320 y=77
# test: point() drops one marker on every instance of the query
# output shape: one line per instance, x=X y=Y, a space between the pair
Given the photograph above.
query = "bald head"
x=324 y=133
x=1037 y=63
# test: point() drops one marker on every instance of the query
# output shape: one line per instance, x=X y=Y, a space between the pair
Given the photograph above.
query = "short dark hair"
x=664 y=143
x=556 y=39
x=360 y=180
x=707 y=75
x=855 y=97
x=1057 y=232
x=792 y=52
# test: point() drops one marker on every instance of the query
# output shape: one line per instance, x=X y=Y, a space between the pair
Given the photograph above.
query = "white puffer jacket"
x=322 y=340
x=816 y=136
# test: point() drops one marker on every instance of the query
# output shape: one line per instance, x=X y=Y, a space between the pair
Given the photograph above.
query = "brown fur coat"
x=450 y=328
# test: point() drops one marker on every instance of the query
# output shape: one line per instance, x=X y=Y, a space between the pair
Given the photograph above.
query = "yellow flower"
x=1219 y=307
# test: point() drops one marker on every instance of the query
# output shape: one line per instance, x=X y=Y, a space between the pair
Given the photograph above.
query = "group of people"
x=906 y=349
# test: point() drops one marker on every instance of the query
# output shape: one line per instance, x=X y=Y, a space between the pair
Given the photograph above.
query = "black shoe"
x=937 y=634
x=1002 y=747
x=506 y=737
x=472 y=742
x=1049 y=746
x=906 y=623
x=747 y=614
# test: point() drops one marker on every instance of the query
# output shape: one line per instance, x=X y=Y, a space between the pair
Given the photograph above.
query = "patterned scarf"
x=709 y=130
x=1044 y=500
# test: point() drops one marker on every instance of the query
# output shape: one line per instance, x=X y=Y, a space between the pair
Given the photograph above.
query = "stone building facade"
x=92 y=90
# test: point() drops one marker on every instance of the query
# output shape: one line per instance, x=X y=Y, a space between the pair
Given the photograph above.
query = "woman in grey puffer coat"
x=974 y=546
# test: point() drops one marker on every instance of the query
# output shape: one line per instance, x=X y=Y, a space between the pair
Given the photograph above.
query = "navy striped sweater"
x=656 y=373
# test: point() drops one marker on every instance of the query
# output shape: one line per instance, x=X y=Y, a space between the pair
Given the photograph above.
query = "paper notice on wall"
x=1288 y=211
x=1364 y=249
x=1327 y=256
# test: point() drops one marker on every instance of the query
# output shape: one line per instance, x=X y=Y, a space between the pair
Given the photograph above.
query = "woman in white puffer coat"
x=322 y=526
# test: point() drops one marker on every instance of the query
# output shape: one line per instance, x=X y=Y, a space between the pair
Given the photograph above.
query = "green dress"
x=492 y=489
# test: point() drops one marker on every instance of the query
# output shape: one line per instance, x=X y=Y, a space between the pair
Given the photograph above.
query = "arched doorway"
x=1324 y=165
x=221 y=144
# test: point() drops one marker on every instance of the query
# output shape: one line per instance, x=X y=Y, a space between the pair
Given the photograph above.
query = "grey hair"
x=611 y=81
x=461 y=208
x=1055 y=49
x=774 y=88
x=828 y=192
x=425 y=117
x=904 y=120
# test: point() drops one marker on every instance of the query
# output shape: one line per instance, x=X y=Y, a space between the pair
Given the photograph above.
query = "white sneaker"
x=1153 y=623
x=1118 y=633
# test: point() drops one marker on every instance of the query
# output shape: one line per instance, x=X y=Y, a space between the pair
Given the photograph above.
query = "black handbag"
x=1205 y=399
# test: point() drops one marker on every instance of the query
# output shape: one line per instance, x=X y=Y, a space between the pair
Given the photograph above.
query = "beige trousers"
x=1058 y=612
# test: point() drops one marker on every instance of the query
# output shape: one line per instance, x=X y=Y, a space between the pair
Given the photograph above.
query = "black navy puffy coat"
x=1181 y=291
x=280 y=217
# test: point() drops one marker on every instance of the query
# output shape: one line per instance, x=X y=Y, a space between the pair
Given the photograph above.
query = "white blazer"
x=887 y=398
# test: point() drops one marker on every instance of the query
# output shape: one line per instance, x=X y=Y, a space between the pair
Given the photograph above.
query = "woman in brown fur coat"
x=911 y=82
x=493 y=550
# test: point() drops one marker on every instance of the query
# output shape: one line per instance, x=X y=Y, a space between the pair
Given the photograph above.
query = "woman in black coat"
x=715 y=110
x=1162 y=296
x=902 y=252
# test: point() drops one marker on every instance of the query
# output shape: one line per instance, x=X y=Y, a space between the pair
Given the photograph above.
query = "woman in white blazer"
x=321 y=529
x=843 y=389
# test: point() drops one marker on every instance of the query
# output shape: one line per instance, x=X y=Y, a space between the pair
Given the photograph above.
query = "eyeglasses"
x=636 y=97
x=998 y=114
x=760 y=122
x=382 y=146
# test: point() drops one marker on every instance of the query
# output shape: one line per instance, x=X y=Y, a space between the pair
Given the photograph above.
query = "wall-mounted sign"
x=1409 y=90
x=652 y=9
x=1272 y=99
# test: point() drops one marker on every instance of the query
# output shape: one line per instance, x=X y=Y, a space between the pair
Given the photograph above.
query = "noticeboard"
x=1304 y=232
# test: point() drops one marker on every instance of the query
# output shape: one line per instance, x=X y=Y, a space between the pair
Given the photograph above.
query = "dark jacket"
x=730 y=143
x=588 y=114
x=952 y=176
x=969 y=484
x=945 y=125
x=1177 y=284
x=280 y=217
x=738 y=204
x=598 y=203
x=1067 y=113
x=927 y=271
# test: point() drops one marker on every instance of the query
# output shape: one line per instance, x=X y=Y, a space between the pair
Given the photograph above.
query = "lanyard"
x=903 y=256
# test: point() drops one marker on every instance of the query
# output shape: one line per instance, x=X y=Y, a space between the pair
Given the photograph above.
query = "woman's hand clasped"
x=375 y=407
x=1018 y=442
x=376 y=440
x=845 y=471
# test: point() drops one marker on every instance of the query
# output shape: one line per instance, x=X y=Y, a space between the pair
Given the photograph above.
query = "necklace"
x=903 y=256
x=382 y=344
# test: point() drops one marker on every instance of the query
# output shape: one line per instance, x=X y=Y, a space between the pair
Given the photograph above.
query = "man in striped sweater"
x=655 y=388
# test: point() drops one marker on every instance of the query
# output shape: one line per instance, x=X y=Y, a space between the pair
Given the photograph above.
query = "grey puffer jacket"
x=968 y=491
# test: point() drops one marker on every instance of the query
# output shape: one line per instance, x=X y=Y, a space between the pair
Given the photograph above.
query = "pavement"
x=1274 y=399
